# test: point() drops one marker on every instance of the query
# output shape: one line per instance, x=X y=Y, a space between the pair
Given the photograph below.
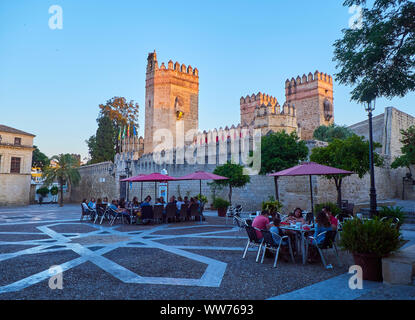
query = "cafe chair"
x=240 y=222
x=87 y=212
x=252 y=241
x=158 y=213
x=230 y=213
x=100 y=213
x=274 y=242
x=328 y=243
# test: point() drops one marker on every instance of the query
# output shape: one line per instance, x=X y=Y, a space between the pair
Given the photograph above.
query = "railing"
x=14 y=145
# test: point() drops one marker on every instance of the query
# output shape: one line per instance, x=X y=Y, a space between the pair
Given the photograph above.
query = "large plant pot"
x=371 y=265
x=222 y=212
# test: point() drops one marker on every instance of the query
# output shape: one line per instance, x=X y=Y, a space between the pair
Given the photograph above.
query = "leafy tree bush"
x=331 y=132
x=235 y=174
x=280 y=151
x=408 y=150
x=379 y=57
x=66 y=170
x=334 y=208
x=44 y=191
x=39 y=159
x=351 y=154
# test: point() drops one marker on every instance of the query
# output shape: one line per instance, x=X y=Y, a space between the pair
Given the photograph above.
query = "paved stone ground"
x=190 y=260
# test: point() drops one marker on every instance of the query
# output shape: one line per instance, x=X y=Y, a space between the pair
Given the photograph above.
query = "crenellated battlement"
x=305 y=79
x=259 y=98
x=177 y=68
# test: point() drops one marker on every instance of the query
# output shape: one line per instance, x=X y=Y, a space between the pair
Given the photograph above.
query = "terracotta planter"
x=371 y=265
x=222 y=212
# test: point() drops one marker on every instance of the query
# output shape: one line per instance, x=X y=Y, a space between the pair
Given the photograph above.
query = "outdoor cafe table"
x=301 y=231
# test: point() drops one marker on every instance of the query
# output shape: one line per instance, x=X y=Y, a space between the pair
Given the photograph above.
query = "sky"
x=52 y=80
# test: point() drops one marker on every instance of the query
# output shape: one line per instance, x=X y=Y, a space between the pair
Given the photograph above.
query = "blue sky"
x=52 y=81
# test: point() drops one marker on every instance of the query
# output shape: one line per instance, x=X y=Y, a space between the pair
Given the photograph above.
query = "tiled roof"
x=7 y=129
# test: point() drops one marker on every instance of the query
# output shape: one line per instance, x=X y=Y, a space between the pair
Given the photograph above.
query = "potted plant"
x=273 y=206
x=369 y=241
x=221 y=205
x=54 y=192
x=43 y=193
x=334 y=209
x=392 y=212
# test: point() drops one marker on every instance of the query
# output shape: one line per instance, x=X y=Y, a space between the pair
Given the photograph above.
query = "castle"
x=172 y=105
x=172 y=101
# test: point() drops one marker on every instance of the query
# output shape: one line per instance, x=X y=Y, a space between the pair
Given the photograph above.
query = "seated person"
x=123 y=210
x=275 y=229
x=162 y=201
x=322 y=224
x=261 y=222
x=158 y=202
x=85 y=206
x=333 y=221
x=105 y=201
x=92 y=204
x=297 y=216
x=135 y=203
x=113 y=205
x=146 y=202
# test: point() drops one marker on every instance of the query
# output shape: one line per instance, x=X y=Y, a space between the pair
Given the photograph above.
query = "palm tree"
x=65 y=170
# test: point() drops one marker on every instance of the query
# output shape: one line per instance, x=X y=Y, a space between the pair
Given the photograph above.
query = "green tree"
x=351 y=154
x=39 y=159
x=122 y=113
x=235 y=174
x=102 y=145
x=280 y=151
x=65 y=171
x=331 y=132
x=378 y=58
x=408 y=150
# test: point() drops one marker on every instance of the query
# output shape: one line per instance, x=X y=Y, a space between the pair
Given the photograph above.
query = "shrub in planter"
x=222 y=205
x=392 y=212
x=44 y=191
x=272 y=206
x=335 y=210
x=201 y=198
x=369 y=241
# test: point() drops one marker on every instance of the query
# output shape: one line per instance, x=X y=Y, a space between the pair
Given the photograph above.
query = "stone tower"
x=312 y=97
x=172 y=98
x=249 y=103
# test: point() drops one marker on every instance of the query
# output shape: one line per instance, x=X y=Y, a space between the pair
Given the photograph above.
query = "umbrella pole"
x=141 y=192
x=155 y=191
x=200 y=188
x=311 y=192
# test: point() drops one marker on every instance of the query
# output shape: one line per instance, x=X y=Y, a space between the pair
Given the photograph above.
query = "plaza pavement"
x=189 y=260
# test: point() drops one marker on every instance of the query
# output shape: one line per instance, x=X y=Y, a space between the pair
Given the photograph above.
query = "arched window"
x=328 y=110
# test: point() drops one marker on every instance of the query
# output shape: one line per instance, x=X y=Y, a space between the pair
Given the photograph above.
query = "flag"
x=123 y=133
x=134 y=131
x=119 y=134
x=128 y=131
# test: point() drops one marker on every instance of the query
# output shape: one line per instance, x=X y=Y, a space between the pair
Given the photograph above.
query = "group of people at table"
x=324 y=221
x=133 y=208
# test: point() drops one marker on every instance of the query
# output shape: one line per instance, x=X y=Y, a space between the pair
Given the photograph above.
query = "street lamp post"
x=127 y=172
x=373 y=205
